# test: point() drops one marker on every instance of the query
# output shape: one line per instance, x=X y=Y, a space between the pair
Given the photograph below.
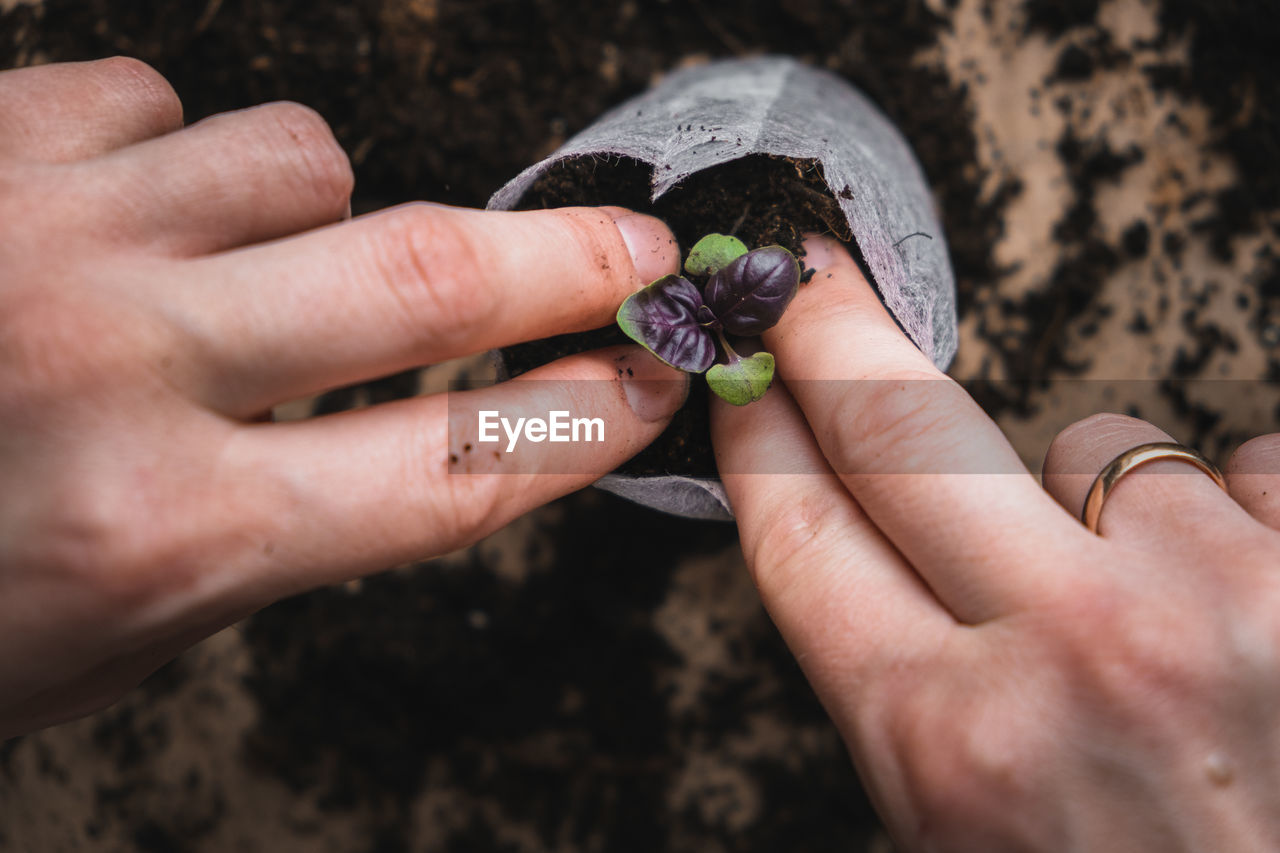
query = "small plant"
x=745 y=292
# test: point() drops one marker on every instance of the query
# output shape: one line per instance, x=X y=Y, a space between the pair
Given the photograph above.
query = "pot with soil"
x=765 y=149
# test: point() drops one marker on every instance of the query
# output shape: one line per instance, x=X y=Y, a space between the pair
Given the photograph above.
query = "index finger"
x=921 y=458
x=413 y=285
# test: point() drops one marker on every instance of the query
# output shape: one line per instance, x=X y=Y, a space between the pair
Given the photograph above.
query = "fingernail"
x=653 y=390
x=821 y=251
x=653 y=247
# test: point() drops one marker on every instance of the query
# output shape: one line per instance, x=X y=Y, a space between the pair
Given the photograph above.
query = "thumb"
x=377 y=487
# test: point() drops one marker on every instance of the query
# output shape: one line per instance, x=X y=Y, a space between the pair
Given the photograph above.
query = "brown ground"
x=1104 y=169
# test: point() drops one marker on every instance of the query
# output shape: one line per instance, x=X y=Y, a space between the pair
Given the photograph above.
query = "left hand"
x=162 y=286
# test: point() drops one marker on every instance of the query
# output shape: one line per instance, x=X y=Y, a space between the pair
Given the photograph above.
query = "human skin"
x=1005 y=679
x=162 y=287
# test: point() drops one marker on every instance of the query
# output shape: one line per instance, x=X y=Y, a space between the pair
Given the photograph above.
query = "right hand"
x=1005 y=679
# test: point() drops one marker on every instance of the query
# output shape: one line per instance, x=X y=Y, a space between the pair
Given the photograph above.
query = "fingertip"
x=1087 y=445
x=822 y=251
x=653 y=247
x=837 y=309
x=1081 y=449
x=834 y=266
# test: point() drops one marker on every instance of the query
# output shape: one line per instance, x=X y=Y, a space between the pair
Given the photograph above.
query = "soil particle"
x=1055 y=17
x=1074 y=63
x=1136 y=239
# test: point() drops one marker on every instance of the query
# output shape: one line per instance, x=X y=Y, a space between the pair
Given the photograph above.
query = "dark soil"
x=357 y=695
x=1233 y=73
x=761 y=200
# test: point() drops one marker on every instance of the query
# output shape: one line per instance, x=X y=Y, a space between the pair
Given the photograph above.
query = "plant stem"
x=728 y=350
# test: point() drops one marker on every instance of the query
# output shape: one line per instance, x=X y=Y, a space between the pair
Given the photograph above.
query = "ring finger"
x=1145 y=506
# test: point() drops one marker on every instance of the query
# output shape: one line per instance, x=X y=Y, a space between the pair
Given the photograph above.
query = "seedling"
x=744 y=293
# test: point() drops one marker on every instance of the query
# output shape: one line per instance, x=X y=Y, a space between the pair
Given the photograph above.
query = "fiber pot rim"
x=713 y=114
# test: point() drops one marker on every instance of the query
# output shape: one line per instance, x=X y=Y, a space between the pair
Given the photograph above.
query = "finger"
x=925 y=463
x=414 y=285
x=841 y=595
x=1153 y=505
x=236 y=178
x=78 y=110
x=1253 y=477
x=364 y=490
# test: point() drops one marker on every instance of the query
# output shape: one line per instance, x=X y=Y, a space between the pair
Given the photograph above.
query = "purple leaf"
x=750 y=294
x=663 y=318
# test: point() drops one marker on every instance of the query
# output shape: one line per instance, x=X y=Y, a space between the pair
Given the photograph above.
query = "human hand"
x=1005 y=679
x=158 y=294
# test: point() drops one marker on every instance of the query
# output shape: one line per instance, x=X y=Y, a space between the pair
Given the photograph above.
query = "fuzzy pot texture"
x=706 y=116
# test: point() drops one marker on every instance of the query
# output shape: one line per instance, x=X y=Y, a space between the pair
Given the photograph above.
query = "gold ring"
x=1135 y=457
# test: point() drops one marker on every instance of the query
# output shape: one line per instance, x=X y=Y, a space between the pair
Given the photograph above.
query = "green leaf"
x=743 y=381
x=713 y=253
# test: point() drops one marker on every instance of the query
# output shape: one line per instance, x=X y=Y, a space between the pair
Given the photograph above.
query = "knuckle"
x=1143 y=676
x=299 y=121
x=427 y=263
x=595 y=240
x=472 y=507
x=882 y=412
x=86 y=542
x=1118 y=652
x=146 y=87
x=323 y=167
x=1088 y=431
x=1249 y=628
x=963 y=758
x=1255 y=638
x=464 y=507
x=458 y=507
x=1103 y=420
x=789 y=539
